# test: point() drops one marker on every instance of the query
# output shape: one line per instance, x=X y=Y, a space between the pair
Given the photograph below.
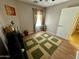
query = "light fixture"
x=53 y=0
x=46 y=0
x=36 y=1
x=40 y=0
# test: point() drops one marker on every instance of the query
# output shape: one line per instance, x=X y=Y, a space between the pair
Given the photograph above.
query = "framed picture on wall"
x=10 y=10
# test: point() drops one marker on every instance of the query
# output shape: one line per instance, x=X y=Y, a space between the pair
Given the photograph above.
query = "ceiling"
x=44 y=3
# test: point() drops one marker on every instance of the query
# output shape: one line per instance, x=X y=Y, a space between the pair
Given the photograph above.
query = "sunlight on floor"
x=74 y=40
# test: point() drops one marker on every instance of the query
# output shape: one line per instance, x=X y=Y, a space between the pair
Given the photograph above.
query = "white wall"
x=53 y=14
x=7 y=19
x=25 y=14
x=1 y=24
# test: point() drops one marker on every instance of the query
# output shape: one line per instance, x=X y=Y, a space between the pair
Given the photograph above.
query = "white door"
x=67 y=20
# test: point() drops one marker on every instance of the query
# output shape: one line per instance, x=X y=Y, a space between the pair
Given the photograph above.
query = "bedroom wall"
x=7 y=19
x=25 y=14
x=53 y=14
x=2 y=24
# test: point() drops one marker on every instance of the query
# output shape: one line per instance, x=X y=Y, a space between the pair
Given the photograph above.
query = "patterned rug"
x=41 y=45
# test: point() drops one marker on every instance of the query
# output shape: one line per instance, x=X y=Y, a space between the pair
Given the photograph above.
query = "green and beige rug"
x=41 y=45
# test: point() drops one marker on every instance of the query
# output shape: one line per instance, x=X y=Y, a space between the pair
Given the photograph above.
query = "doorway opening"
x=74 y=37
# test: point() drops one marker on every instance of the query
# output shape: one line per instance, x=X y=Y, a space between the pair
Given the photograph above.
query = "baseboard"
x=56 y=35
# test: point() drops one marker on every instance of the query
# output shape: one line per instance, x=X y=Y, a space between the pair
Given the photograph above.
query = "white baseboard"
x=56 y=35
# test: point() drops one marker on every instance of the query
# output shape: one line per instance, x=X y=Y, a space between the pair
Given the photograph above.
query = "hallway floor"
x=74 y=40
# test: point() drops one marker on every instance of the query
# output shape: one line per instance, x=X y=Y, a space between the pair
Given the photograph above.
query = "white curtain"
x=38 y=18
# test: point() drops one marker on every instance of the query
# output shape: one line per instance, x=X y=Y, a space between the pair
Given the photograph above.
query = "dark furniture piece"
x=15 y=45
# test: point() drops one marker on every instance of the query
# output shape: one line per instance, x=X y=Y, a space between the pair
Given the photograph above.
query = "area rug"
x=41 y=45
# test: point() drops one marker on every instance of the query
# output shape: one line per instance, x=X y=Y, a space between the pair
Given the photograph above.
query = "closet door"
x=67 y=21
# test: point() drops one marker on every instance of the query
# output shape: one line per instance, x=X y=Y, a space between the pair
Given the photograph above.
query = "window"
x=39 y=19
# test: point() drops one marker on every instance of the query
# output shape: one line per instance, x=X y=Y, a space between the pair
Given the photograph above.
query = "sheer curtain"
x=38 y=19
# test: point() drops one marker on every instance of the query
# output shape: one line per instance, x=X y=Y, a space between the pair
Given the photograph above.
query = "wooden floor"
x=64 y=51
x=74 y=40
